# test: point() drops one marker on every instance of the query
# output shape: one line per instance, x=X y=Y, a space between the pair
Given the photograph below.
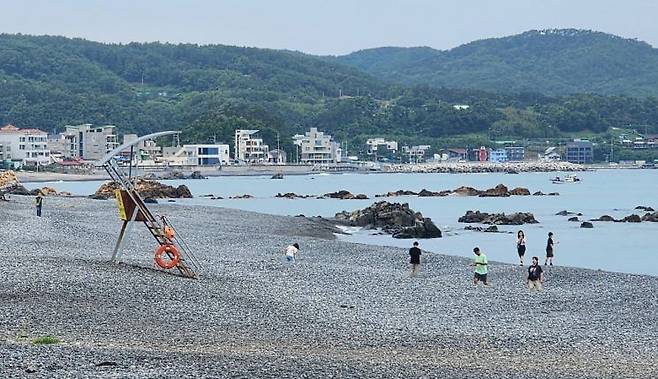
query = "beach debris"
x=146 y=188
x=393 y=218
x=518 y=218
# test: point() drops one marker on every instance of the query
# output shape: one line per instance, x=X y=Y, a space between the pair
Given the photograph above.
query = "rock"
x=106 y=364
x=147 y=189
x=554 y=194
x=150 y=200
x=345 y=195
x=398 y=193
x=196 y=175
x=587 y=225
x=427 y=193
x=467 y=191
x=491 y=229
x=538 y=193
x=632 y=218
x=520 y=191
x=604 y=218
x=393 y=218
x=565 y=213
x=498 y=191
x=644 y=208
x=292 y=195
x=518 y=218
x=245 y=196
x=650 y=217
x=573 y=219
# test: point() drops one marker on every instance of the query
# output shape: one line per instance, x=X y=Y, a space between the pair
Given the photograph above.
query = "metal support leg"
x=125 y=230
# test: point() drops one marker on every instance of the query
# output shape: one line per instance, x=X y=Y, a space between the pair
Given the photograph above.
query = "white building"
x=318 y=148
x=145 y=150
x=28 y=146
x=249 y=149
x=416 y=153
x=197 y=155
x=380 y=146
x=277 y=156
x=86 y=142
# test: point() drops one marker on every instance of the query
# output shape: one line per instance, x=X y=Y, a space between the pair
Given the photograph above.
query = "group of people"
x=535 y=277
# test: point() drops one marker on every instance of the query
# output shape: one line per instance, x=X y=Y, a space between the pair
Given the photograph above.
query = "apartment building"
x=27 y=146
x=85 y=142
x=248 y=148
x=318 y=148
x=580 y=151
x=197 y=155
x=381 y=147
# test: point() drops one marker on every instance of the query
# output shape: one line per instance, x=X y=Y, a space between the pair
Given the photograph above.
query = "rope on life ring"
x=171 y=252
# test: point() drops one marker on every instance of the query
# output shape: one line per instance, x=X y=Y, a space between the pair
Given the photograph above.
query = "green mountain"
x=208 y=91
x=552 y=62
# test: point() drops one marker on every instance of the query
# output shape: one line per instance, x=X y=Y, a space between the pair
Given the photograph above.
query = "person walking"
x=414 y=254
x=520 y=245
x=481 y=269
x=549 y=249
x=38 y=202
x=291 y=252
x=535 y=275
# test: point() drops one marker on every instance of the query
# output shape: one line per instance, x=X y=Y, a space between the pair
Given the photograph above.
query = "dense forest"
x=208 y=91
x=552 y=62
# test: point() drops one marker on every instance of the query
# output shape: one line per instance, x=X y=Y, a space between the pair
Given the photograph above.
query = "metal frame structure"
x=188 y=264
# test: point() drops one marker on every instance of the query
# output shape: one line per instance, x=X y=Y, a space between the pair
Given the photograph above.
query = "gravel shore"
x=343 y=310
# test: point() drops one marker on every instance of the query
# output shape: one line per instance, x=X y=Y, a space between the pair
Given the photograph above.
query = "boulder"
x=644 y=208
x=632 y=218
x=427 y=193
x=539 y=193
x=150 y=200
x=146 y=188
x=587 y=225
x=573 y=219
x=554 y=194
x=345 y=195
x=467 y=191
x=393 y=218
x=498 y=191
x=604 y=218
x=650 y=217
x=292 y=195
x=518 y=218
x=565 y=213
x=520 y=191
x=398 y=193
x=245 y=196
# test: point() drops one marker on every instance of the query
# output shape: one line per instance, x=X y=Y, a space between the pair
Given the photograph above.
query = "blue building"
x=498 y=156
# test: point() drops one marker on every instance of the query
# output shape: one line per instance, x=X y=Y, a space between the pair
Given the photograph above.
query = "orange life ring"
x=171 y=252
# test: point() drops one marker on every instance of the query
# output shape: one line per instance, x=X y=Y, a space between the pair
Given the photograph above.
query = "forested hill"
x=208 y=91
x=552 y=62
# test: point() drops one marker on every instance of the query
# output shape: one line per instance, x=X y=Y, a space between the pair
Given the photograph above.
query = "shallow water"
x=622 y=247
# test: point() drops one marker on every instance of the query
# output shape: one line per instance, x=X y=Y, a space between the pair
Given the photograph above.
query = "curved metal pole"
x=125 y=146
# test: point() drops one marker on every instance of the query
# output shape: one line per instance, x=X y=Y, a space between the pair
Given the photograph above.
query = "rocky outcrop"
x=518 y=218
x=644 y=208
x=490 y=229
x=587 y=225
x=573 y=219
x=498 y=191
x=520 y=191
x=393 y=218
x=147 y=189
x=292 y=195
x=650 y=217
x=174 y=175
x=428 y=193
x=467 y=191
x=604 y=218
x=398 y=193
x=345 y=195
x=245 y=196
x=567 y=213
x=632 y=218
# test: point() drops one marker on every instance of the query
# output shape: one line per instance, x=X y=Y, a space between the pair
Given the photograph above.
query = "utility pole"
x=612 y=148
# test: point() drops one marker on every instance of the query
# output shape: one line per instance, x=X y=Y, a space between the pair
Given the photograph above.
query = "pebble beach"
x=342 y=310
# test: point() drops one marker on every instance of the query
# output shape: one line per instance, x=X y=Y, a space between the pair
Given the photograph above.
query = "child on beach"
x=414 y=254
x=480 y=263
x=291 y=252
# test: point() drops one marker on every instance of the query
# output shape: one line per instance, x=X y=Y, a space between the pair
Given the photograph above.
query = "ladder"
x=188 y=264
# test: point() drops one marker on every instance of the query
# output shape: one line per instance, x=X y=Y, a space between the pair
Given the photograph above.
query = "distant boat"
x=278 y=175
x=567 y=179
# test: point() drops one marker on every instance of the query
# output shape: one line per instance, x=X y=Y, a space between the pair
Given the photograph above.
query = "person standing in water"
x=549 y=249
x=481 y=269
x=38 y=202
x=291 y=252
x=414 y=254
x=520 y=245
x=535 y=275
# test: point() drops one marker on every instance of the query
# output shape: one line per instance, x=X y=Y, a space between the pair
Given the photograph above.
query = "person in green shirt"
x=480 y=263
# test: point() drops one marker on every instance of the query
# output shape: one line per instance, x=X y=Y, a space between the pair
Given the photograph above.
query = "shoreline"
x=343 y=309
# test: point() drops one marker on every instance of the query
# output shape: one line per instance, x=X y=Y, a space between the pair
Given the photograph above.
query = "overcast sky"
x=323 y=27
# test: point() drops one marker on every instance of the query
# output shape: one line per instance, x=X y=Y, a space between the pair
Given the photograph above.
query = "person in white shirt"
x=291 y=252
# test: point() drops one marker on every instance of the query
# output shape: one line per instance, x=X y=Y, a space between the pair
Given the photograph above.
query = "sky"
x=324 y=27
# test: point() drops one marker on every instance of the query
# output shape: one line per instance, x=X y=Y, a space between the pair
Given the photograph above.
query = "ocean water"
x=622 y=247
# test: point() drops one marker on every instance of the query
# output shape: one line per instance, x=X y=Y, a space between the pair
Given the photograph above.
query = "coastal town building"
x=248 y=148
x=145 y=150
x=498 y=156
x=416 y=153
x=453 y=154
x=580 y=151
x=318 y=148
x=85 y=142
x=515 y=153
x=27 y=146
x=277 y=156
x=197 y=155
x=380 y=148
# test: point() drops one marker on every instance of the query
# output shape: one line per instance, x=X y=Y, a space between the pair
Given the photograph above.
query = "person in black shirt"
x=414 y=253
x=38 y=202
x=549 y=249
x=535 y=275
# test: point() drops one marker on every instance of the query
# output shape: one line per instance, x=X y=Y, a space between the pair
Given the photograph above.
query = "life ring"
x=171 y=252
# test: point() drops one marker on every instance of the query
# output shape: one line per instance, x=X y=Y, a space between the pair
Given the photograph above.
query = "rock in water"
x=651 y=217
x=586 y=225
x=427 y=193
x=573 y=219
x=467 y=191
x=345 y=195
x=394 y=218
x=644 y=208
x=632 y=218
x=498 y=191
x=518 y=218
x=520 y=191
x=605 y=218
x=147 y=189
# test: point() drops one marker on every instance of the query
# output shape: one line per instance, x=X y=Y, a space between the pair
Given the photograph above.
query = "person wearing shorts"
x=535 y=275
x=520 y=245
x=481 y=270
x=414 y=255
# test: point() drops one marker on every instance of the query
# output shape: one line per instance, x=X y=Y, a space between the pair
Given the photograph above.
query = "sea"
x=621 y=247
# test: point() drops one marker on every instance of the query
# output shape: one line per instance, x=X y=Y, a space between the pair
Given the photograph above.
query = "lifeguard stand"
x=133 y=209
